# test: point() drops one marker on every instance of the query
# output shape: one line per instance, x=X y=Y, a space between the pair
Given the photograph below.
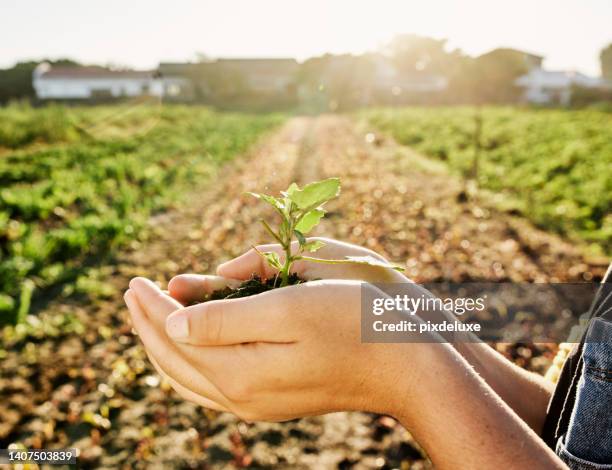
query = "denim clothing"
x=587 y=443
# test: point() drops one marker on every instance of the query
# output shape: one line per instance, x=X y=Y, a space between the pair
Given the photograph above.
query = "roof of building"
x=259 y=66
x=94 y=71
x=558 y=79
x=273 y=65
x=254 y=60
x=512 y=50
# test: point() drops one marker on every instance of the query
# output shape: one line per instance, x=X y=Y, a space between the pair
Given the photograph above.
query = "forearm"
x=527 y=393
x=460 y=420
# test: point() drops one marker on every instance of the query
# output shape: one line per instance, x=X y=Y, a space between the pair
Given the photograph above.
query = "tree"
x=336 y=82
x=418 y=56
x=16 y=81
x=412 y=53
x=495 y=74
x=605 y=58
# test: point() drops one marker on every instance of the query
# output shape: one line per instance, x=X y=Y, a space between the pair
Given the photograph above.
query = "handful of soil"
x=253 y=286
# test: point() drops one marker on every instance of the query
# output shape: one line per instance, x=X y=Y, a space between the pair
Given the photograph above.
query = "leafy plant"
x=68 y=203
x=300 y=210
x=550 y=165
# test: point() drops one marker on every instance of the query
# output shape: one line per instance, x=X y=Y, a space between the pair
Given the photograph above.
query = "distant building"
x=263 y=75
x=178 y=80
x=231 y=82
x=392 y=86
x=388 y=77
x=527 y=59
x=548 y=87
x=540 y=86
x=92 y=83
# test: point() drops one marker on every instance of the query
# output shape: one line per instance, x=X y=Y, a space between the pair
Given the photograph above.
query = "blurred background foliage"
x=74 y=185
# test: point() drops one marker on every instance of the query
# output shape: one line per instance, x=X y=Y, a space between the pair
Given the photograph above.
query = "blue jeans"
x=587 y=444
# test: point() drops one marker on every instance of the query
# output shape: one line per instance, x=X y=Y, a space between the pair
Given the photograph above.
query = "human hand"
x=275 y=356
x=192 y=287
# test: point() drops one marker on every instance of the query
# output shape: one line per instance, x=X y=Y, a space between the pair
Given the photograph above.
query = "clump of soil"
x=253 y=286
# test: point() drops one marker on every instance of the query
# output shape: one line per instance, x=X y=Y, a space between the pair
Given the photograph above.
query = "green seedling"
x=300 y=210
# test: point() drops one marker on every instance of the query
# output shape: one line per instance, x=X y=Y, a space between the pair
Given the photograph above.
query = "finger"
x=167 y=356
x=190 y=288
x=182 y=391
x=156 y=304
x=264 y=317
x=250 y=263
x=159 y=306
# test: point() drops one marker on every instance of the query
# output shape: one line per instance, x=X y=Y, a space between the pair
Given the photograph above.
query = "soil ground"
x=97 y=392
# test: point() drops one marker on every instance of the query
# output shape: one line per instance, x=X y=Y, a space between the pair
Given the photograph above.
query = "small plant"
x=300 y=211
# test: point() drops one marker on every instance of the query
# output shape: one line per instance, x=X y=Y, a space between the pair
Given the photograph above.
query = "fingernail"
x=129 y=298
x=134 y=282
x=177 y=326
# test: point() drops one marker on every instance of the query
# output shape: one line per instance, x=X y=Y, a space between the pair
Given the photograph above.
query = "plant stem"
x=288 y=255
x=287 y=266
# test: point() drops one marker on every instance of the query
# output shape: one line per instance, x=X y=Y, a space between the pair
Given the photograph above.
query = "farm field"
x=88 y=384
x=77 y=183
x=555 y=165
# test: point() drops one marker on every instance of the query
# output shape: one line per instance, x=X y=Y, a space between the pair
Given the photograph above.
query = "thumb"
x=260 y=318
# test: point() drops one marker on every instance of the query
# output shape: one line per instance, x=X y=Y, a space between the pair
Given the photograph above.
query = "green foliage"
x=493 y=74
x=300 y=211
x=20 y=125
x=556 y=164
x=68 y=202
x=605 y=58
x=16 y=81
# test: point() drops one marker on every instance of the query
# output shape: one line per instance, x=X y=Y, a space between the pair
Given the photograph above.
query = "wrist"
x=398 y=379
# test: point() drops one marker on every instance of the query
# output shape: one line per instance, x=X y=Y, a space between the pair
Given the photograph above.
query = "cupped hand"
x=192 y=287
x=279 y=355
x=149 y=307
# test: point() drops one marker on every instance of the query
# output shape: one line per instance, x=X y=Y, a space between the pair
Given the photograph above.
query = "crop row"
x=69 y=198
x=556 y=165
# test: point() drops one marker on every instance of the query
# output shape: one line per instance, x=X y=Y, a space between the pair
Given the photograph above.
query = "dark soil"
x=253 y=286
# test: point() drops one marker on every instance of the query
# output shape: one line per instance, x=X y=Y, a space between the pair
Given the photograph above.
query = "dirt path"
x=96 y=391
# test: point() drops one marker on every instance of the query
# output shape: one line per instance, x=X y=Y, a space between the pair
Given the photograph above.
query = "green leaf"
x=292 y=187
x=274 y=202
x=272 y=259
x=25 y=299
x=300 y=236
x=310 y=220
x=7 y=303
x=313 y=245
x=270 y=231
x=314 y=194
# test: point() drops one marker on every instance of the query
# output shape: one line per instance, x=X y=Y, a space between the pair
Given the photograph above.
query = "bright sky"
x=140 y=33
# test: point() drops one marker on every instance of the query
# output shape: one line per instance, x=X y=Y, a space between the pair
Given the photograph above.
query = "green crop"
x=300 y=210
x=553 y=166
x=79 y=183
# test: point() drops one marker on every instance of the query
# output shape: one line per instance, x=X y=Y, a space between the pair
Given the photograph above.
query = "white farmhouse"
x=554 y=87
x=93 y=83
